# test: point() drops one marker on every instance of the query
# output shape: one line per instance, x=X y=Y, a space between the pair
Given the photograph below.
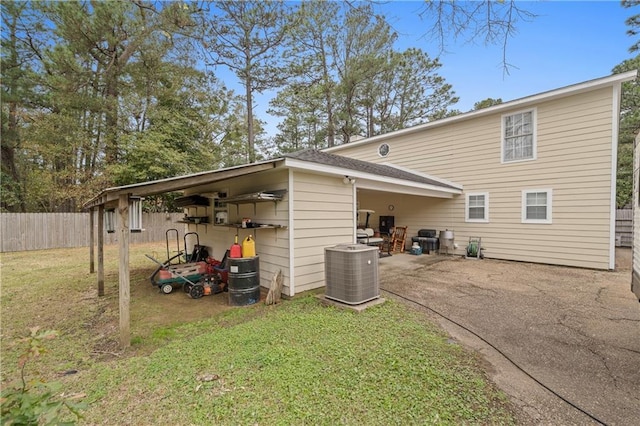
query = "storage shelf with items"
x=196 y=209
x=255 y=226
x=257 y=197
x=220 y=212
x=250 y=198
x=252 y=230
x=194 y=220
x=221 y=204
x=192 y=201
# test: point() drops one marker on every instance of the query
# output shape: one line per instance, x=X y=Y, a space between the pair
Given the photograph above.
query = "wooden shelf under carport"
x=254 y=198
x=239 y=226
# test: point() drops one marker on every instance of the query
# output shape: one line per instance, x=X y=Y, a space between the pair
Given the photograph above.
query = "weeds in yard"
x=34 y=401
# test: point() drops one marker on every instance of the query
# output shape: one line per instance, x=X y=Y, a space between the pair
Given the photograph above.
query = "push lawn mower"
x=207 y=286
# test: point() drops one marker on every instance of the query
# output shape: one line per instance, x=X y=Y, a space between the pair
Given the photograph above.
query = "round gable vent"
x=383 y=150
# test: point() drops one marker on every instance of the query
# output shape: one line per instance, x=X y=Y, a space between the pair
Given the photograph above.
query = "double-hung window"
x=477 y=207
x=536 y=206
x=519 y=136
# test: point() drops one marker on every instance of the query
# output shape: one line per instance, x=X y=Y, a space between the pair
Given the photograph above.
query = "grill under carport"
x=427 y=240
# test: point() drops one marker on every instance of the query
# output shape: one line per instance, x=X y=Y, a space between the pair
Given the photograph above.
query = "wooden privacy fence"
x=624 y=228
x=40 y=231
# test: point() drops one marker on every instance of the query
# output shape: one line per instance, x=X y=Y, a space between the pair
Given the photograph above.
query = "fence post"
x=100 y=232
x=92 y=266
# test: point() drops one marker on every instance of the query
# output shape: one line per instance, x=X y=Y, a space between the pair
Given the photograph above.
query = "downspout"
x=354 y=211
x=292 y=264
x=615 y=124
x=635 y=274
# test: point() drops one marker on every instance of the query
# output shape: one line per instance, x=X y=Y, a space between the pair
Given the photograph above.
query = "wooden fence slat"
x=41 y=231
x=624 y=227
x=624 y=214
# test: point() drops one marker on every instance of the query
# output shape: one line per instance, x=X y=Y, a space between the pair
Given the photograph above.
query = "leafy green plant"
x=34 y=401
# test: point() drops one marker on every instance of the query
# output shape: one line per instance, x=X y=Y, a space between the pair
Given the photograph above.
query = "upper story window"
x=477 y=208
x=519 y=136
x=536 y=206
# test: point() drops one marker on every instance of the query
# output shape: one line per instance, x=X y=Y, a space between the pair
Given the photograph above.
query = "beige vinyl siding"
x=272 y=245
x=573 y=151
x=323 y=217
x=635 y=276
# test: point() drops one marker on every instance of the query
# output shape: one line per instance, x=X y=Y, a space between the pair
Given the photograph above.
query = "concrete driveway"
x=576 y=331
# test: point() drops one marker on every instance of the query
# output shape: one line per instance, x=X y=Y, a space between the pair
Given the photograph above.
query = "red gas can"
x=236 y=250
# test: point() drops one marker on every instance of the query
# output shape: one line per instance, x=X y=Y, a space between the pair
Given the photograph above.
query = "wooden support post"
x=92 y=263
x=123 y=273
x=100 y=232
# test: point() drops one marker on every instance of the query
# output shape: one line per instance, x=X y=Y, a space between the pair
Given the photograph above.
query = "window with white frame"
x=519 y=136
x=536 y=206
x=477 y=207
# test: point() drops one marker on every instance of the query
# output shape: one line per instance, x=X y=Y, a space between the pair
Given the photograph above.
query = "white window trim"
x=549 y=192
x=486 y=207
x=534 y=123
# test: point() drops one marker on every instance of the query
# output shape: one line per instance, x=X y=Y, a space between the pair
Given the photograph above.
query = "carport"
x=119 y=198
x=318 y=209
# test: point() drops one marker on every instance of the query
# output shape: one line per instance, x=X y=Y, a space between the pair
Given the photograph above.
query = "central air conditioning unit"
x=351 y=273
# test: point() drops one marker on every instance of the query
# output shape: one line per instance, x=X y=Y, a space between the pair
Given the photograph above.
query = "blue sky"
x=568 y=42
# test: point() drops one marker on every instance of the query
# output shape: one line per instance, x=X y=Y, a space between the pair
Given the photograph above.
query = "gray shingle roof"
x=319 y=157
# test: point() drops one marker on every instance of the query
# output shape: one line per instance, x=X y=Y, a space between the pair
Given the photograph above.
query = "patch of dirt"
x=624 y=259
x=150 y=311
x=65 y=299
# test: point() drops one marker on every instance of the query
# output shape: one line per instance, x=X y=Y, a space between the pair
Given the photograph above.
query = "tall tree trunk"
x=250 y=129
x=111 y=116
x=11 y=138
x=370 y=128
x=331 y=130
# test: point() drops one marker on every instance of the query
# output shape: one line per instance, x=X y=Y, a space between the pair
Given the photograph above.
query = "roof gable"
x=373 y=169
x=587 y=86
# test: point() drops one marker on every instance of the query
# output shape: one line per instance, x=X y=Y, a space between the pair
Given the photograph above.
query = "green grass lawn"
x=296 y=363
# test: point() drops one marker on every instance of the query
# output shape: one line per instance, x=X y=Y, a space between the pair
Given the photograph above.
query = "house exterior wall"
x=574 y=161
x=635 y=277
x=411 y=211
x=322 y=217
x=272 y=245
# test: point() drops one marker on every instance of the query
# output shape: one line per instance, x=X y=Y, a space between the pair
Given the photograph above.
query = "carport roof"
x=310 y=160
x=386 y=170
x=109 y=196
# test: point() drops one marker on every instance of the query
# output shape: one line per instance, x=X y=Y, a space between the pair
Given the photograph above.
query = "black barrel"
x=242 y=265
x=244 y=281
x=244 y=297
